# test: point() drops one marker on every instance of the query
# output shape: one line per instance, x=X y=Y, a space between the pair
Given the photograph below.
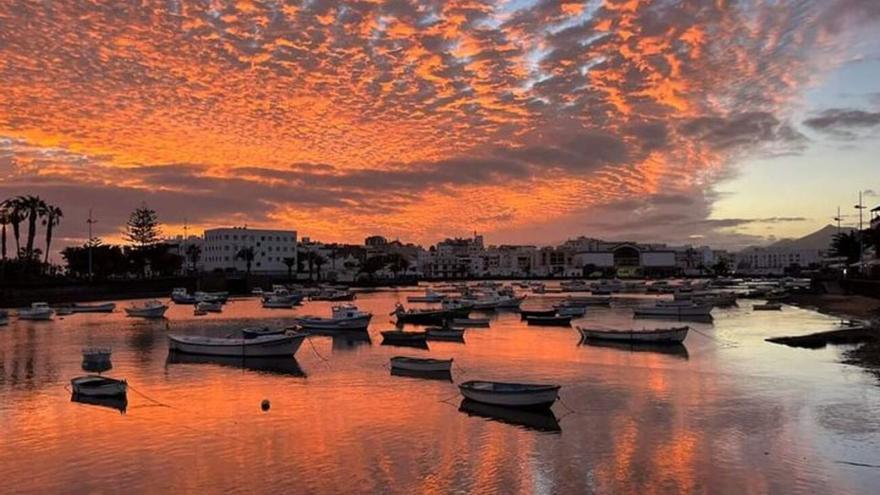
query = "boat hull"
x=157 y=312
x=425 y=365
x=549 y=321
x=264 y=346
x=675 y=311
x=96 y=386
x=664 y=336
x=35 y=315
x=359 y=323
x=93 y=308
x=539 y=398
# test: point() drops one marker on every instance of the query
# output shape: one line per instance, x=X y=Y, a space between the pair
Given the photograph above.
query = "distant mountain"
x=820 y=239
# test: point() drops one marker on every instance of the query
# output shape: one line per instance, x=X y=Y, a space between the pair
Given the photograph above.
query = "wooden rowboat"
x=673 y=335
x=98 y=386
x=526 y=395
x=553 y=321
x=421 y=364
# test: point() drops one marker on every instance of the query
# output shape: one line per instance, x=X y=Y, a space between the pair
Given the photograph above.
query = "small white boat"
x=262 y=346
x=209 y=307
x=98 y=386
x=692 y=310
x=278 y=302
x=445 y=333
x=421 y=364
x=93 y=308
x=96 y=359
x=429 y=297
x=257 y=291
x=147 y=309
x=511 y=394
x=660 y=335
x=180 y=296
x=770 y=306
x=37 y=311
x=343 y=317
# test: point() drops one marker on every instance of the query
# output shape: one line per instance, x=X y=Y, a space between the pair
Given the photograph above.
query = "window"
x=262 y=238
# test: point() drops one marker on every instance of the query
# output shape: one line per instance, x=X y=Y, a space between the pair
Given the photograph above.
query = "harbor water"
x=725 y=413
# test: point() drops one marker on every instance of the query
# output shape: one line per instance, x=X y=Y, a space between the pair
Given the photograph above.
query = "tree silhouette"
x=193 y=254
x=289 y=262
x=847 y=245
x=53 y=218
x=246 y=254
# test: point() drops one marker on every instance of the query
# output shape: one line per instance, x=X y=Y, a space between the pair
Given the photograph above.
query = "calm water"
x=732 y=414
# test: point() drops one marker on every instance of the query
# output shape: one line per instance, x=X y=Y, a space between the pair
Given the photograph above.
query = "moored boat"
x=180 y=296
x=510 y=394
x=525 y=313
x=429 y=297
x=96 y=359
x=343 y=317
x=428 y=316
x=210 y=307
x=470 y=322
x=278 y=302
x=38 y=311
x=147 y=309
x=421 y=364
x=673 y=335
x=263 y=346
x=399 y=337
x=98 y=386
x=550 y=321
x=93 y=308
x=445 y=333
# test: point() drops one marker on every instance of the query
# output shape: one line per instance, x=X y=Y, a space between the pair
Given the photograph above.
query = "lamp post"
x=90 y=221
x=861 y=208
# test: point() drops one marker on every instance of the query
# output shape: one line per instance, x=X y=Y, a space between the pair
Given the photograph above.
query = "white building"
x=775 y=260
x=627 y=259
x=270 y=248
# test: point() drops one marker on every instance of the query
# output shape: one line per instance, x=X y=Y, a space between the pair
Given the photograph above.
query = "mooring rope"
x=145 y=396
x=315 y=350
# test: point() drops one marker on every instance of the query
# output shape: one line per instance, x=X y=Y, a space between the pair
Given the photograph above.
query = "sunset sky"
x=717 y=122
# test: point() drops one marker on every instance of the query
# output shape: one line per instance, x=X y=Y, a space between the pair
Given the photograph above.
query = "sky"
x=728 y=123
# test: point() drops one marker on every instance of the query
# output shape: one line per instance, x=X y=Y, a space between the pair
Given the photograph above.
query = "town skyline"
x=721 y=124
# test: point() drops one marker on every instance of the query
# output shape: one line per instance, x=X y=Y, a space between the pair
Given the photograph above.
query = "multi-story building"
x=455 y=258
x=273 y=249
x=776 y=260
x=627 y=258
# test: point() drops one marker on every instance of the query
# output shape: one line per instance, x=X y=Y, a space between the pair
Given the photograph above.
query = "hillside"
x=820 y=239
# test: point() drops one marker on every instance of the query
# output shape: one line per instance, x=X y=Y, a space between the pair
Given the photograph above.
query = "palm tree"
x=34 y=208
x=246 y=254
x=289 y=262
x=15 y=211
x=53 y=218
x=4 y=221
x=319 y=262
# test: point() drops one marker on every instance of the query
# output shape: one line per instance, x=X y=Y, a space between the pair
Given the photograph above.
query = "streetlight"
x=860 y=207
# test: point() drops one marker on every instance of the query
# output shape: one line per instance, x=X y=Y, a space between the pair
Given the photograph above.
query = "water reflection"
x=345 y=340
x=677 y=350
x=119 y=403
x=541 y=420
x=645 y=421
x=426 y=375
x=274 y=365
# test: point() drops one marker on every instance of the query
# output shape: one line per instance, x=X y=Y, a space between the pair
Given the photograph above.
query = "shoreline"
x=865 y=337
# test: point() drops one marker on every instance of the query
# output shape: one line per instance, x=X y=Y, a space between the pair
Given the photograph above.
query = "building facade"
x=776 y=260
x=272 y=249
